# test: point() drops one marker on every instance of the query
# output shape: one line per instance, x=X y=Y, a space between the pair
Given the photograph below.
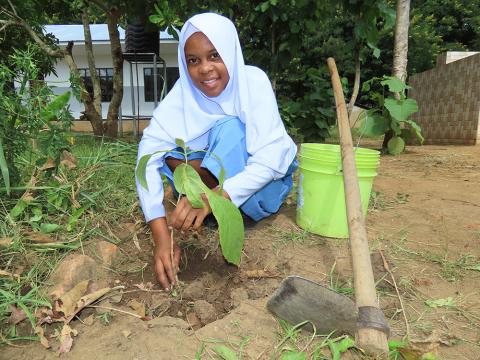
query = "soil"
x=424 y=218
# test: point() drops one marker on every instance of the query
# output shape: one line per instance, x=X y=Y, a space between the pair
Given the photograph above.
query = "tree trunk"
x=97 y=90
x=400 y=52
x=401 y=40
x=91 y=113
x=111 y=126
x=356 y=85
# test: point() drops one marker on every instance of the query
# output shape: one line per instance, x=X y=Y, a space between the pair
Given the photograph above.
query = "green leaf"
x=339 y=347
x=373 y=124
x=293 y=355
x=4 y=168
x=396 y=145
x=225 y=352
x=180 y=143
x=401 y=109
x=264 y=6
x=156 y=19
x=55 y=106
x=416 y=128
x=230 y=226
x=48 y=228
x=447 y=302
x=376 y=52
x=141 y=170
x=394 y=84
x=18 y=209
x=187 y=181
x=474 y=267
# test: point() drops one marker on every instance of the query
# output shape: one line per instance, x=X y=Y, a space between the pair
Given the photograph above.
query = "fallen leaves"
x=64 y=309
x=138 y=307
x=6 y=242
x=424 y=349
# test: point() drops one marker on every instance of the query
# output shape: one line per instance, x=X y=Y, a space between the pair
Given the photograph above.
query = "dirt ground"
x=424 y=217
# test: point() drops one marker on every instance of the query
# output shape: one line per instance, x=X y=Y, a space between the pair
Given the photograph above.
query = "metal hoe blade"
x=299 y=299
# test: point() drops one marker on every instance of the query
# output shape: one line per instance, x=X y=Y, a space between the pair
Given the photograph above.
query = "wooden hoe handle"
x=372 y=328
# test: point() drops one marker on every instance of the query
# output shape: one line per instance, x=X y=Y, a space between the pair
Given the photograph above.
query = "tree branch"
x=13 y=8
x=20 y=22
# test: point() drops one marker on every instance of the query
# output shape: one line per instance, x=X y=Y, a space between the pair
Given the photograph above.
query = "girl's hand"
x=185 y=217
x=164 y=269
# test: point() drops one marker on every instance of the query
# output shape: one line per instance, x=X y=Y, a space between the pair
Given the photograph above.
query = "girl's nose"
x=205 y=67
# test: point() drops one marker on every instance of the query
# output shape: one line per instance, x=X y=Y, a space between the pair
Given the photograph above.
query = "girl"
x=229 y=109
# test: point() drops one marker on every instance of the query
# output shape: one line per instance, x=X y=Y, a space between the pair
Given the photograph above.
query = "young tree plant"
x=188 y=182
x=390 y=113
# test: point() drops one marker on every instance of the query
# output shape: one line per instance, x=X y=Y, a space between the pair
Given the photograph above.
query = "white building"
x=137 y=76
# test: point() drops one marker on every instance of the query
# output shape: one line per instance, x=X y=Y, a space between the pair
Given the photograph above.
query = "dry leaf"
x=87 y=300
x=115 y=299
x=41 y=334
x=423 y=348
x=67 y=303
x=138 y=307
x=16 y=315
x=6 y=241
x=68 y=160
x=38 y=237
x=9 y=274
x=49 y=164
x=126 y=333
x=66 y=340
x=193 y=321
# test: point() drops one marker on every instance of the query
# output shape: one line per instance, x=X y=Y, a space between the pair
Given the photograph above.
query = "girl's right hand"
x=164 y=269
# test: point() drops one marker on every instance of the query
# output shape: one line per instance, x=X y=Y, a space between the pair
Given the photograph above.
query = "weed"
x=105 y=318
x=295 y=236
x=71 y=205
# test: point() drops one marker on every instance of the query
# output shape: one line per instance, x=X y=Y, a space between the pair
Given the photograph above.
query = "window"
x=172 y=76
x=106 y=82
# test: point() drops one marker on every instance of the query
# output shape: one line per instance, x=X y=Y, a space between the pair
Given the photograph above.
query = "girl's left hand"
x=185 y=217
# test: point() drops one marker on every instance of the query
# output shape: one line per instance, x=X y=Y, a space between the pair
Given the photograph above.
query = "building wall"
x=168 y=51
x=448 y=98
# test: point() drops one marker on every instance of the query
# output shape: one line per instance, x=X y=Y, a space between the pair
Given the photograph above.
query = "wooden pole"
x=371 y=334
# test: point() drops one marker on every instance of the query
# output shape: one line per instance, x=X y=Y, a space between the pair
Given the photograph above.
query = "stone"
x=107 y=252
x=204 y=311
x=71 y=271
x=238 y=295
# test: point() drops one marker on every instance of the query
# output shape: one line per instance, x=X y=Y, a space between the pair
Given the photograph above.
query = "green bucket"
x=321 y=197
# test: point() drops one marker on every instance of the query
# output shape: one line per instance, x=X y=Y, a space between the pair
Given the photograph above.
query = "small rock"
x=194 y=290
x=205 y=311
x=126 y=333
x=179 y=314
x=71 y=271
x=126 y=231
x=107 y=252
x=238 y=295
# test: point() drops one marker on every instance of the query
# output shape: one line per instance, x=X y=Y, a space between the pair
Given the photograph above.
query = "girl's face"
x=205 y=66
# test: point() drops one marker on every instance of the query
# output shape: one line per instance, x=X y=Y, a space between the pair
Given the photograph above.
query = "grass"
x=81 y=204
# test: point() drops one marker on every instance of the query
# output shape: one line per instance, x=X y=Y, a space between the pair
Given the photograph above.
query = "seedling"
x=188 y=182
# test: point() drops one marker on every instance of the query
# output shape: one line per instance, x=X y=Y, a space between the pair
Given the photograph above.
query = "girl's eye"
x=216 y=56
x=191 y=61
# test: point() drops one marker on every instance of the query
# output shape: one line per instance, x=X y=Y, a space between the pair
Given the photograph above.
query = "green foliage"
x=225 y=353
x=390 y=113
x=28 y=113
x=188 y=182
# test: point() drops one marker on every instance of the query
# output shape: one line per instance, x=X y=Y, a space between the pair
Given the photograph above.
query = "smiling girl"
x=224 y=107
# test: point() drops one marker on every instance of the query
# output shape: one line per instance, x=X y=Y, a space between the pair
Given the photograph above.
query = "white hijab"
x=188 y=114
